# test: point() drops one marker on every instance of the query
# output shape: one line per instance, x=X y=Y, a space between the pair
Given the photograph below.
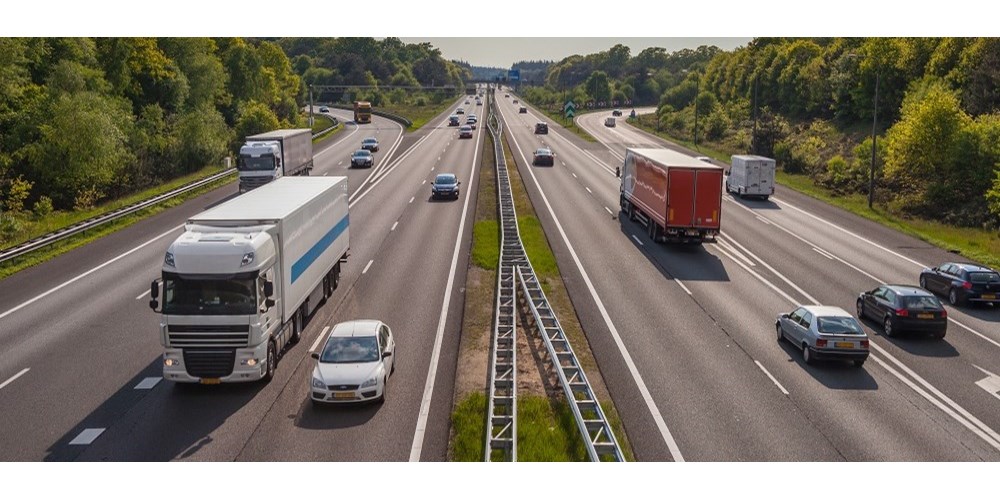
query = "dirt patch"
x=477 y=327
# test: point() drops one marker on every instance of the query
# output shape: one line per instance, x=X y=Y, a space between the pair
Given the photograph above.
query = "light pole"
x=310 y=106
x=753 y=138
x=871 y=176
x=697 y=90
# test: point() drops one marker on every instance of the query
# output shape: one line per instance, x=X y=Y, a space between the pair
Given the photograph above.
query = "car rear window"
x=840 y=325
x=921 y=302
x=980 y=277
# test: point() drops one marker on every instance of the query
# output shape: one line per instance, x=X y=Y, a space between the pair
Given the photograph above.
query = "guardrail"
x=93 y=222
x=394 y=117
x=515 y=267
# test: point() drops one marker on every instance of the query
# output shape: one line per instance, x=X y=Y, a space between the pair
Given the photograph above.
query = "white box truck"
x=750 y=175
x=239 y=283
x=271 y=155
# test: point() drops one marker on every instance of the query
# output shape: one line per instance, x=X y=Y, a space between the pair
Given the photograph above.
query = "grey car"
x=824 y=332
x=362 y=158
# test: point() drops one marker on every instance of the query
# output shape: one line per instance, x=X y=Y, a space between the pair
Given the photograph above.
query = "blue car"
x=445 y=186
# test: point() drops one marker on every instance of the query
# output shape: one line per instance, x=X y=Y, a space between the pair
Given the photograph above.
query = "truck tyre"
x=765 y=197
x=631 y=212
x=297 y=326
x=336 y=275
x=271 y=363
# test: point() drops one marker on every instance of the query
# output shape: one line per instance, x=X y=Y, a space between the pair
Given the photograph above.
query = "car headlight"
x=318 y=384
x=370 y=382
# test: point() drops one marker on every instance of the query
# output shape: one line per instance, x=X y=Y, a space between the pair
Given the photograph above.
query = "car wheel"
x=861 y=309
x=923 y=282
x=953 y=297
x=781 y=335
x=859 y=363
x=385 y=389
x=271 y=361
x=939 y=335
x=887 y=327
x=631 y=212
x=807 y=357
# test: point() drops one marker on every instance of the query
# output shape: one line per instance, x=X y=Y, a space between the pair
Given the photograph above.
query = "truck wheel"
x=631 y=212
x=297 y=327
x=336 y=275
x=272 y=361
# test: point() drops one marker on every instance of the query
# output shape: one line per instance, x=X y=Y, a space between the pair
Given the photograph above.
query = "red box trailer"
x=677 y=197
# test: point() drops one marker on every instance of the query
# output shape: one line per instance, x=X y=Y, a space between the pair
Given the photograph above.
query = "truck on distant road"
x=750 y=175
x=240 y=283
x=271 y=155
x=362 y=112
x=677 y=197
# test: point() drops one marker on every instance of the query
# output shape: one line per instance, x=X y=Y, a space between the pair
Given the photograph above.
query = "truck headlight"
x=249 y=362
x=168 y=259
x=318 y=384
x=171 y=362
x=370 y=382
x=247 y=259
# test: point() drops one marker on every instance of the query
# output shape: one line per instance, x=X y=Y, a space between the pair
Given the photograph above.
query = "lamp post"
x=871 y=176
x=753 y=138
x=697 y=90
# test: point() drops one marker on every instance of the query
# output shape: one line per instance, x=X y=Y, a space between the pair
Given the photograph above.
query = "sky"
x=503 y=52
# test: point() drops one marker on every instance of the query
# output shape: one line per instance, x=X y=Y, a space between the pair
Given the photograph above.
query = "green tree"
x=203 y=138
x=254 y=118
x=598 y=86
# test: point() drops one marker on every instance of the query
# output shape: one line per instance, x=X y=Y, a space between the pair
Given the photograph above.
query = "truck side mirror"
x=269 y=303
x=153 y=304
x=727 y=173
x=268 y=289
x=154 y=289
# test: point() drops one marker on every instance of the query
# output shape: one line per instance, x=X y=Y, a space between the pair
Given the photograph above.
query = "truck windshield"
x=208 y=296
x=260 y=163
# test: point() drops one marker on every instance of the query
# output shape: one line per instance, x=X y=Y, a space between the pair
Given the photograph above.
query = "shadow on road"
x=916 y=343
x=753 y=203
x=686 y=262
x=335 y=416
x=833 y=374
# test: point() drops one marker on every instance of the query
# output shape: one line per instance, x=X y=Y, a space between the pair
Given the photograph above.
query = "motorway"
x=79 y=378
x=684 y=335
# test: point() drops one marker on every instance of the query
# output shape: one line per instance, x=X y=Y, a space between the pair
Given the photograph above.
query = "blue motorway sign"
x=514 y=75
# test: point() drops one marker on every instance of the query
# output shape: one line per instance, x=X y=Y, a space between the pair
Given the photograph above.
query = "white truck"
x=271 y=155
x=239 y=284
x=750 y=175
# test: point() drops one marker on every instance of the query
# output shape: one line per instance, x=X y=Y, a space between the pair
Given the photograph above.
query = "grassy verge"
x=568 y=124
x=544 y=263
x=420 y=115
x=974 y=243
x=323 y=122
x=37 y=257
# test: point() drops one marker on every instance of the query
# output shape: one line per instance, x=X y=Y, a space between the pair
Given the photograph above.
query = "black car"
x=902 y=308
x=541 y=128
x=522 y=110
x=616 y=112
x=962 y=283
x=362 y=158
x=453 y=121
x=543 y=156
x=445 y=185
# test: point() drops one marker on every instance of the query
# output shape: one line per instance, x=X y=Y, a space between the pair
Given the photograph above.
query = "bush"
x=43 y=206
x=16 y=194
x=86 y=198
x=421 y=101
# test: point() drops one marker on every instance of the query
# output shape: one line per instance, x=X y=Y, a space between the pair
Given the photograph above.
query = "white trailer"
x=750 y=175
x=240 y=283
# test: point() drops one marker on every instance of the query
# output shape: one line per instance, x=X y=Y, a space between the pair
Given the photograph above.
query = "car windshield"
x=444 y=179
x=209 y=297
x=362 y=152
x=921 y=302
x=842 y=325
x=370 y=140
x=981 y=277
x=542 y=152
x=350 y=350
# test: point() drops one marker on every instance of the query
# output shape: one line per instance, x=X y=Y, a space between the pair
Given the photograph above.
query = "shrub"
x=43 y=206
x=16 y=194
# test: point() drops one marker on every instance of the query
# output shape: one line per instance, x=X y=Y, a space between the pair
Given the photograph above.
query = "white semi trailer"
x=240 y=282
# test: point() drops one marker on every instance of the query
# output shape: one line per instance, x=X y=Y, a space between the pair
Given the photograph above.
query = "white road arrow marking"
x=991 y=383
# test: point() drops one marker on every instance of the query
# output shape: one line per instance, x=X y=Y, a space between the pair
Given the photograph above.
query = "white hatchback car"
x=354 y=364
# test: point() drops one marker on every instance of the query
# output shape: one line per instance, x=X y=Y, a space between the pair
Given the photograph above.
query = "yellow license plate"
x=343 y=395
x=211 y=381
x=926 y=316
x=845 y=345
x=989 y=296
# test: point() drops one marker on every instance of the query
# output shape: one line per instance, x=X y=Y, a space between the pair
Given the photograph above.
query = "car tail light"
x=967 y=285
x=820 y=342
x=944 y=313
x=902 y=313
x=864 y=344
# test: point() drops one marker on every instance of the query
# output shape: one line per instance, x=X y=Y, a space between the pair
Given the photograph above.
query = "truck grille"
x=213 y=363
x=249 y=183
x=208 y=335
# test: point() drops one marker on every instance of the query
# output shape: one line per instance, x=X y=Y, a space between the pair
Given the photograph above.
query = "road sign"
x=569 y=106
x=614 y=103
x=570 y=113
x=628 y=102
x=514 y=75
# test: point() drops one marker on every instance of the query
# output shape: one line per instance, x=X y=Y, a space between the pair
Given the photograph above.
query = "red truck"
x=677 y=197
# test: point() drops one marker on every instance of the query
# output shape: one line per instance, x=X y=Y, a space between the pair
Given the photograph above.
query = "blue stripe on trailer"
x=306 y=260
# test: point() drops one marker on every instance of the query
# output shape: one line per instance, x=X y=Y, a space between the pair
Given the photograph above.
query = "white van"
x=609 y=121
x=750 y=175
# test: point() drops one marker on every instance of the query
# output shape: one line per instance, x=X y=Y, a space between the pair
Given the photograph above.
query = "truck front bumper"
x=249 y=364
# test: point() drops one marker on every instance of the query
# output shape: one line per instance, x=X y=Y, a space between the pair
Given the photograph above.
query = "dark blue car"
x=445 y=186
x=962 y=283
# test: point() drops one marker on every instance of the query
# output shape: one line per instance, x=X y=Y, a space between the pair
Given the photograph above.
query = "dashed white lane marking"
x=574 y=175
x=637 y=241
x=588 y=189
x=394 y=224
x=609 y=210
x=411 y=199
x=365 y=270
x=87 y=436
x=319 y=339
x=148 y=383
x=780 y=387
x=686 y=289
x=15 y=377
x=424 y=182
x=141 y=295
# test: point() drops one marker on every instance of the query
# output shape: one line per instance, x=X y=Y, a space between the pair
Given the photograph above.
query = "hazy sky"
x=503 y=52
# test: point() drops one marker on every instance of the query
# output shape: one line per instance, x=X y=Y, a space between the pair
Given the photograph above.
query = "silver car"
x=824 y=332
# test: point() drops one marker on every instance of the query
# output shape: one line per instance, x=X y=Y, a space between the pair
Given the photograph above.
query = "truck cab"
x=259 y=163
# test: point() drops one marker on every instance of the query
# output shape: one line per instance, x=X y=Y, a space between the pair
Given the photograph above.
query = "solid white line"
x=385 y=174
x=322 y=335
x=773 y=270
x=87 y=436
x=425 y=403
x=823 y=253
x=686 y=289
x=365 y=270
x=780 y=387
x=737 y=253
x=411 y=199
x=588 y=189
x=88 y=273
x=148 y=383
x=758 y=276
x=984 y=337
x=394 y=224
x=661 y=425
x=609 y=210
x=637 y=240
x=143 y=294
x=765 y=221
x=15 y=377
